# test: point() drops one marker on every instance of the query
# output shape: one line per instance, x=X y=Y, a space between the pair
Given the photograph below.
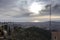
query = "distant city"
x=45 y=25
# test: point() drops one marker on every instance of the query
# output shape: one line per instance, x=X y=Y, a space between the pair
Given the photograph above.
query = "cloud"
x=57 y=1
x=15 y=10
x=7 y=3
x=9 y=12
x=55 y=9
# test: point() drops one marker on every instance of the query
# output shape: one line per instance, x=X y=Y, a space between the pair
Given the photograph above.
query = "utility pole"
x=50 y=18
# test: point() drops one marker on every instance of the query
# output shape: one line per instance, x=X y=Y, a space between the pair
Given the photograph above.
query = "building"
x=55 y=35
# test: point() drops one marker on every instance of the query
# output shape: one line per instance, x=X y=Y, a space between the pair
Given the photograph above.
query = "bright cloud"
x=35 y=7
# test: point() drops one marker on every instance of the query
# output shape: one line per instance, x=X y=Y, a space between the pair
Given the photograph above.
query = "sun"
x=35 y=7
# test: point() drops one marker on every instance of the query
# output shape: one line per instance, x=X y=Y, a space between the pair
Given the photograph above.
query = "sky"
x=29 y=10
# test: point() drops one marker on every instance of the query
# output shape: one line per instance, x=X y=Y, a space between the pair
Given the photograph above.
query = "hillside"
x=32 y=33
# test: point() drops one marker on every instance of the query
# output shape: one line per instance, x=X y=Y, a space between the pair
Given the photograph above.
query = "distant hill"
x=54 y=25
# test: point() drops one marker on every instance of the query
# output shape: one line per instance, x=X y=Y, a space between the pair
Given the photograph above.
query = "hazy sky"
x=29 y=10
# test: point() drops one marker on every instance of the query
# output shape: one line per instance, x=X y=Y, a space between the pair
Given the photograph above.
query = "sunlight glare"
x=35 y=7
x=36 y=21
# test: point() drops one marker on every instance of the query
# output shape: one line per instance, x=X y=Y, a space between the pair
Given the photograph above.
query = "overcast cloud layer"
x=17 y=10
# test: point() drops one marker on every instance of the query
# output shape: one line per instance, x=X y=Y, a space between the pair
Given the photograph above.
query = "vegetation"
x=31 y=33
